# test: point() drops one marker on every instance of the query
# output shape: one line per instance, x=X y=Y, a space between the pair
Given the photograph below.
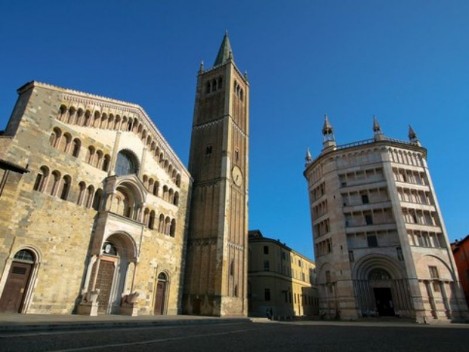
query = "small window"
x=267 y=294
x=351 y=257
x=368 y=219
x=266 y=249
x=365 y=199
x=372 y=241
x=208 y=150
x=266 y=265
x=399 y=253
x=434 y=272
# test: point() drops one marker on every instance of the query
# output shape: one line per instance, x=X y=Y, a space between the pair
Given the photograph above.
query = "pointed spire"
x=327 y=127
x=377 y=130
x=201 y=67
x=328 y=141
x=376 y=126
x=224 y=53
x=413 y=136
x=308 y=157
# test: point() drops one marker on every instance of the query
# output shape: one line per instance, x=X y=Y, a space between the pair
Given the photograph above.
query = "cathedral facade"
x=95 y=204
x=380 y=242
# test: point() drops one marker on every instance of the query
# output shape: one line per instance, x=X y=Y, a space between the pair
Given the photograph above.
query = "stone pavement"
x=46 y=322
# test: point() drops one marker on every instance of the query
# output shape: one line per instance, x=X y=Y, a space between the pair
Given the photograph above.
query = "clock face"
x=237 y=176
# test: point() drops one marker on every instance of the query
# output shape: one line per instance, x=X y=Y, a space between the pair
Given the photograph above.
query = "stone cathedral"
x=98 y=215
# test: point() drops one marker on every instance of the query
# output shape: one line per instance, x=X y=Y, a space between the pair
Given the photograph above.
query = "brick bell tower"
x=216 y=266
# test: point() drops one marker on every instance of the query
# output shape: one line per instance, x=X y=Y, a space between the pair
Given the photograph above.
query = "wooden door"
x=104 y=284
x=16 y=287
x=160 y=296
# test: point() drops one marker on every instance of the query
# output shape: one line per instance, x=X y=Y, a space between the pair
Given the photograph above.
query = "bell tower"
x=216 y=265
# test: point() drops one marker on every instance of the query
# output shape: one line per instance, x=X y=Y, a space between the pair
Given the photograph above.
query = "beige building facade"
x=95 y=204
x=380 y=242
x=281 y=281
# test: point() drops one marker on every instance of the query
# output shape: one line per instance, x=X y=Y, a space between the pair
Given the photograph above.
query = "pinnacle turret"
x=328 y=134
x=378 y=134
x=413 y=136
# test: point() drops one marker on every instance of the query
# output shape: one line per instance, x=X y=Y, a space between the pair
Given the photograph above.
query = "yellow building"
x=280 y=280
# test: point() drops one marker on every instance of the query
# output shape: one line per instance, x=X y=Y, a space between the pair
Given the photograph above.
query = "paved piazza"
x=262 y=336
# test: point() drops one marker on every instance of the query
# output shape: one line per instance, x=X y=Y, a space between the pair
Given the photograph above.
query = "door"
x=384 y=304
x=160 y=296
x=16 y=287
x=104 y=282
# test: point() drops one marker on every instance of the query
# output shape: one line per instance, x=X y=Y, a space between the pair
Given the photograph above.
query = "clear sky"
x=407 y=62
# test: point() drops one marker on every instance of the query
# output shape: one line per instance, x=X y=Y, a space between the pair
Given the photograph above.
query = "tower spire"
x=225 y=52
x=413 y=136
x=377 y=129
x=328 y=135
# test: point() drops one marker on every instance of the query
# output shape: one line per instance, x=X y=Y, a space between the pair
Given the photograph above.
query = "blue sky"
x=407 y=62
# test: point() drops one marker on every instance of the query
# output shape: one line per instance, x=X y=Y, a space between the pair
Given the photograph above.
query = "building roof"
x=225 y=51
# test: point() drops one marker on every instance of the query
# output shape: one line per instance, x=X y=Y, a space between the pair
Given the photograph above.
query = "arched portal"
x=381 y=288
x=160 y=298
x=18 y=281
x=114 y=269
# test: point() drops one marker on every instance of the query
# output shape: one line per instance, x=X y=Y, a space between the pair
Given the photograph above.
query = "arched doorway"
x=160 y=299
x=117 y=255
x=380 y=281
x=17 y=284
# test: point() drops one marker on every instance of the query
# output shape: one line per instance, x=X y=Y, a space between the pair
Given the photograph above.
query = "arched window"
x=25 y=256
x=151 y=223
x=76 y=147
x=71 y=114
x=41 y=179
x=106 y=162
x=90 y=156
x=126 y=163
x=167 y=225
x=99 y=158
x=172 y=229
x=62 y=111
x=110 y=122
x=176 y=198
x=80 y=115
x=171 y=196
x=161 y=224
x=87 y=118
x=64 y=142
x=55 y=137
x=165 y=193
x=89 y=196
x=54 y=185
x=146 y=217
x=66 y=182
x=81 y=192
x=156 y=187
x=178 y=180
x=104 y=120
x=97 y=199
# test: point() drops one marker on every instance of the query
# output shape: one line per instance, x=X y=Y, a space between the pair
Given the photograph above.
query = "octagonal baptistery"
x=97 y=224
x=380 y=242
